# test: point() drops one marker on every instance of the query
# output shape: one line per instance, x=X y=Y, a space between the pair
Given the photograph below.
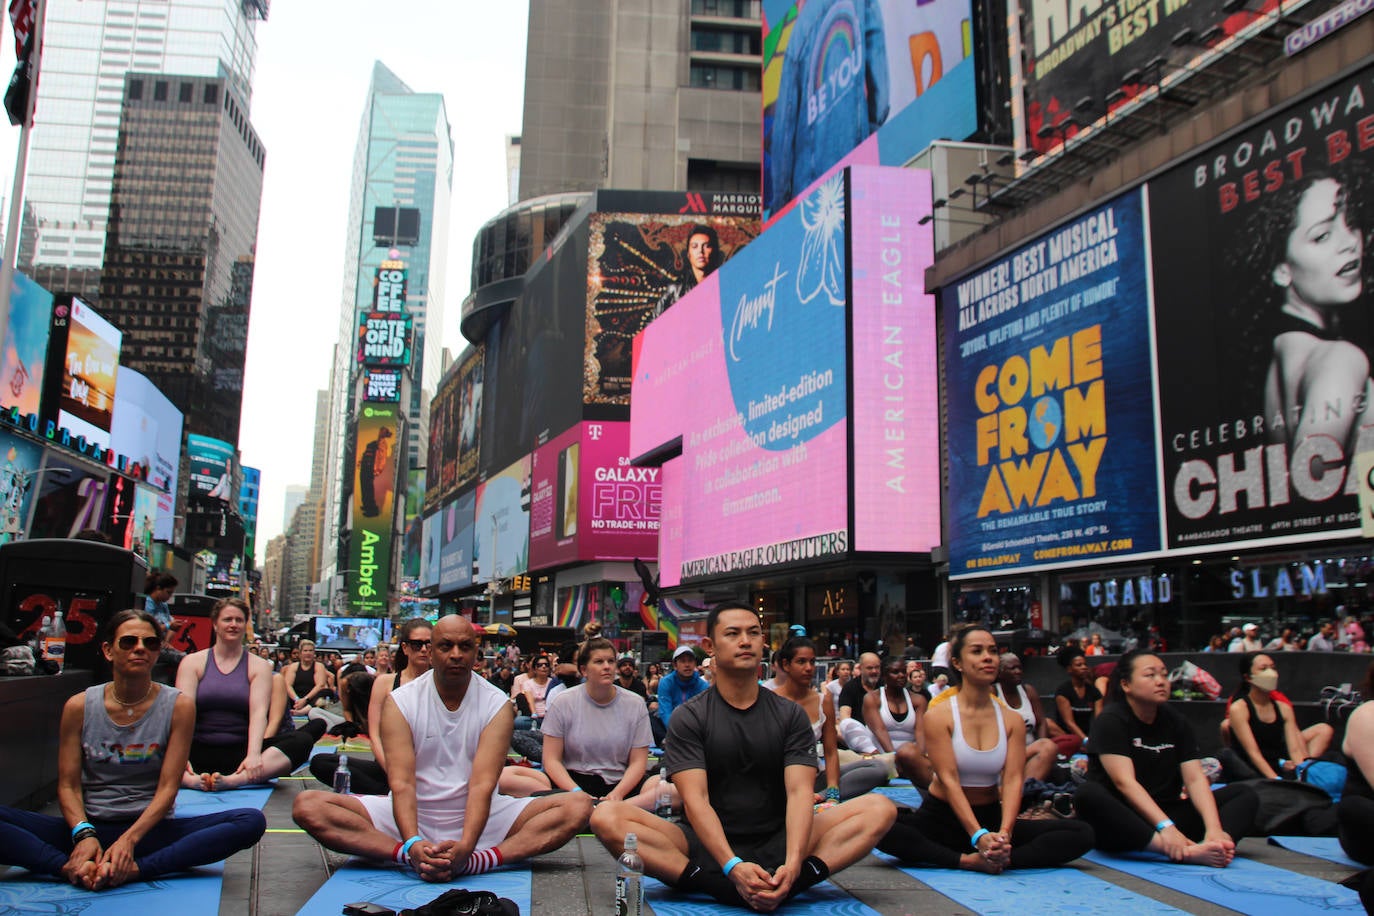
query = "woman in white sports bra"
x=890 y=712
x=977 y=746
x=796 y=662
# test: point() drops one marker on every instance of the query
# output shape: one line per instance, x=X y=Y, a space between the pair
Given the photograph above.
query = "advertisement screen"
x=501 y=538
x=351 y=633
x=70 y=497
x=429 y=551
x=1262 y=285
x=382 y=386
x=25 y=346
x=212 y=467
x=19 y=464
x=384 y=339
x=868 y=82
x=374 y=507
x=439 y=478
x=147 y=517
x=670 y=525
x=896 y=398
x=147 y=427
x=764 y=431
x=1051 y=419
x=555 y=481
x=85 y=403
x=639 y=266
x=455 y=532
x=463 y=448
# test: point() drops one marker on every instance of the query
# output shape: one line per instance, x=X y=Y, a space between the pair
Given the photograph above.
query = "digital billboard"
x=1051 y=415
x=587 y=502
x=212 y=467
x=20 y=460
x=147 y=519
x=465 y=416
x=455 y=533
x=429 y=551
x=440 y=478
x=382 y=386
x=1262 y=280
x=82 y=369
x=147 y=427
x=864 y=82
x=384 y=338
x=639 y=266
x=70 y=496
x=25 y=351
x=501 y=534
x=373 y=507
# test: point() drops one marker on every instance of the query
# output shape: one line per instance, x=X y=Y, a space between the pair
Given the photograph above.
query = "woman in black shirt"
x=1077 y=702
x=1142 y=755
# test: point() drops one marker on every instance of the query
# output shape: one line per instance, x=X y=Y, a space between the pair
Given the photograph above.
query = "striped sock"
x=481 y=860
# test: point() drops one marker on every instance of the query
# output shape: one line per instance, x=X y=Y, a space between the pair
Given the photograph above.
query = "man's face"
x=871 y=670
x=453 y=651
x=627 y=670
x=685 y=664
x=736 y=641
x=1328 y=630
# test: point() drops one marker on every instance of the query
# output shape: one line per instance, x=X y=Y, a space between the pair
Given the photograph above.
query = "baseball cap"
x=683 y=650
x=1251 y=628
x=627 y=657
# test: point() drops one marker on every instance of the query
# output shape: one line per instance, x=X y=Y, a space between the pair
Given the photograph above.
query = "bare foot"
x=972 y=861
x=1212 y=853
x=131 y=876
x=100 y=878
x=191 y=780
x=74 y=875
x=232 y=781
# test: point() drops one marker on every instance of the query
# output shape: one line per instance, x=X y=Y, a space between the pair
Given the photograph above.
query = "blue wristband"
x=832 y=793
x=404 y=855
x=82 y=825
x=978 y=836
x=1163 y=825
x=575 y=789
x=734 y=860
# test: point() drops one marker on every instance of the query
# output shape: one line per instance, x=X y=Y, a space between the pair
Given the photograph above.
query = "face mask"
x=1265 y=680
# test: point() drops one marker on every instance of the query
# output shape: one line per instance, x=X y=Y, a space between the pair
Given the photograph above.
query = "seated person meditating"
x=744 y=761
x=1142 y=755
x=1041 y=752
x=122 y=750
x=597 y=736
x=445 y=736
x=1265 y=739
x=1356 y=807
x=307 y=680
x=232 y=691
x=978 y=750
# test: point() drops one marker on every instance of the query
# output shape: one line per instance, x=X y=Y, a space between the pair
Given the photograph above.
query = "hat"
x=683 y=650
x=1251 y=628
x=627 y=657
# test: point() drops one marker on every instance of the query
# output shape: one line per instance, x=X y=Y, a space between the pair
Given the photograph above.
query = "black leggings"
x=366 y=777
x=1356 y=816
x=1120 y=828
x=225 y=758
x=932 y=834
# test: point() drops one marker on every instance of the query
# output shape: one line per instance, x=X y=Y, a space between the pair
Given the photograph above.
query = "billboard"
x=20 y=460
x=147 y=427
x=455 y=532
x=70 y=496
x=1262 y=279
x=588 y=503
x=465 y=418
x=869 y=82
x=439 y=478
x=148 y=517
x=25 y=351
x=429 y=551
x=382 y=386
x=385 y=332
x=373 y=507
x=82 y=368
x=501 y=535
x=639 y=266
x=1047 y=352
x=212 y=467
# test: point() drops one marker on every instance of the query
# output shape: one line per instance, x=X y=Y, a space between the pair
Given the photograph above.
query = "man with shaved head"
x=851 y=706
x=445 y=736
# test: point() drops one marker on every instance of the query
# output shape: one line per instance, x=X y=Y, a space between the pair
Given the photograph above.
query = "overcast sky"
x=314 y=63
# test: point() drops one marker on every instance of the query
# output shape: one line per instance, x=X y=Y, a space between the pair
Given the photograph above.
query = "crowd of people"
x=764 y=788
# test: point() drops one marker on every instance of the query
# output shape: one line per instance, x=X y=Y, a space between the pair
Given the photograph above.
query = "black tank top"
x=1273 y=746
x=305 y=679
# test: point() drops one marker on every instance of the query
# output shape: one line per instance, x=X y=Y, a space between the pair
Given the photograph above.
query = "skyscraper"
x=87 y=50
x=402 y=175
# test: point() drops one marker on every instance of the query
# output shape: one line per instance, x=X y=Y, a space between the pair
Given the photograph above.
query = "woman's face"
x=845 y=673
x=138 y=656
x=1078 y=668
x=894 y=675
x=230 y=624
x=307 y=656
x=699 y=253
x=1322 y=263
x=1149 y=681
x=802 y=667
x=979 y=659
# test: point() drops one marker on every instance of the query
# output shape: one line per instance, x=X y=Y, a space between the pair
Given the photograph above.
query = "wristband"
x=85 y=833
x=734 y=860
x=1163 y=825
x=575 y=789
x=832 y=793
x=978 y=836
x=80 y=826
x=404 y=855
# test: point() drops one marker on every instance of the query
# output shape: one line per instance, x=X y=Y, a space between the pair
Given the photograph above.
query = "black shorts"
x=597 y=787
x=768 y=851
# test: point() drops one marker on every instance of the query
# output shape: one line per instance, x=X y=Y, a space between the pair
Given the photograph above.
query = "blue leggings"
x=42 y=844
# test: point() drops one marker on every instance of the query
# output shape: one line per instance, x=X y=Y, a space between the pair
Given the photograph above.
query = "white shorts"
x=438 y=826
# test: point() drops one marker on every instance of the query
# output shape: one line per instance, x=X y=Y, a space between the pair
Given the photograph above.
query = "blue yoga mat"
x=825 y=899
x=192 y=803
x=1033 y=890
x=398 y=889
x=1321 y=847
x=1244 y=886
x=902 y=795
x=195 y=891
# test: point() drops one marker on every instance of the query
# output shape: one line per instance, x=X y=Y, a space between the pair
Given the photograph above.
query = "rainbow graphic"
x=661 y=617
x=571 y=608
x=839 y=43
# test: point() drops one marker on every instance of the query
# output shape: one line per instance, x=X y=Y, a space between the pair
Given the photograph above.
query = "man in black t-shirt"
x=849 y=711
x=744 y=761
x=628 y=677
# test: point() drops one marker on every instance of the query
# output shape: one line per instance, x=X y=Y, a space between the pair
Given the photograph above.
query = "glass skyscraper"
x=88 y=48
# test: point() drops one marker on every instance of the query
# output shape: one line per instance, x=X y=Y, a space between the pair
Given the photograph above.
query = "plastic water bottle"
x=663 y=803
x=629 y=880
x=343 y=780
x=55 y=643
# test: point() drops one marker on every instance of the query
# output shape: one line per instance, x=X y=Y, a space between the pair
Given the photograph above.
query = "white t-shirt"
x=597 y=739
x=941 y=657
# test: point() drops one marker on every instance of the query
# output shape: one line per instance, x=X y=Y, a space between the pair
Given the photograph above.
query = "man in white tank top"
x=446 y=735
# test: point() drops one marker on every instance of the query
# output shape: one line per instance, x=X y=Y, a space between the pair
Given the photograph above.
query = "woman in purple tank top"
x=232 y=690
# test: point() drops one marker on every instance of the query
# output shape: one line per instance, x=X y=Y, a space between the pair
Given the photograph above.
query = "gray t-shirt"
x=121 y=764
x=597 y=739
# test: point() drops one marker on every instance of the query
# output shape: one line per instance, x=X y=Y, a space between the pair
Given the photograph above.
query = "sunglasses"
x=128 y=641
x=415 y=645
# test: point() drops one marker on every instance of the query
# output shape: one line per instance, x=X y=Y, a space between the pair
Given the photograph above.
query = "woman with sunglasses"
x=232 y=692
x=122 y=750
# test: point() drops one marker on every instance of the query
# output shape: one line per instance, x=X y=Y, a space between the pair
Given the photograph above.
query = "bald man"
x=850 y=718
x=445 y=736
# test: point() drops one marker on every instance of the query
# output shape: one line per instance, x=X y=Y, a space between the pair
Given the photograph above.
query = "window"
x=186 y=93
x=211 y=94
x=135 y=90
x=160 y=91
x=740 y=79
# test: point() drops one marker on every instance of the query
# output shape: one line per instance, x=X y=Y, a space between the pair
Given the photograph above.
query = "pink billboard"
x=588 y=503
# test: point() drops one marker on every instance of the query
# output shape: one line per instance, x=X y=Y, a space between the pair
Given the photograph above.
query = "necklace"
x=129 y=707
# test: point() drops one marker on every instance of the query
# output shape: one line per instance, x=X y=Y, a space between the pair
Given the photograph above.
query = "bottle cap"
x=343 y=760
x=631 y=841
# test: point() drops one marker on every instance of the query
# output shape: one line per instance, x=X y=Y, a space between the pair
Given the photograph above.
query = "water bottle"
x=55 y=643
x=343 y=780
x=629 y=880
x=663 y=804
x=39 y=642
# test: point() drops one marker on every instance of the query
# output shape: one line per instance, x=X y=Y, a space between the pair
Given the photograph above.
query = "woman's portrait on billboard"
x=700 y=258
